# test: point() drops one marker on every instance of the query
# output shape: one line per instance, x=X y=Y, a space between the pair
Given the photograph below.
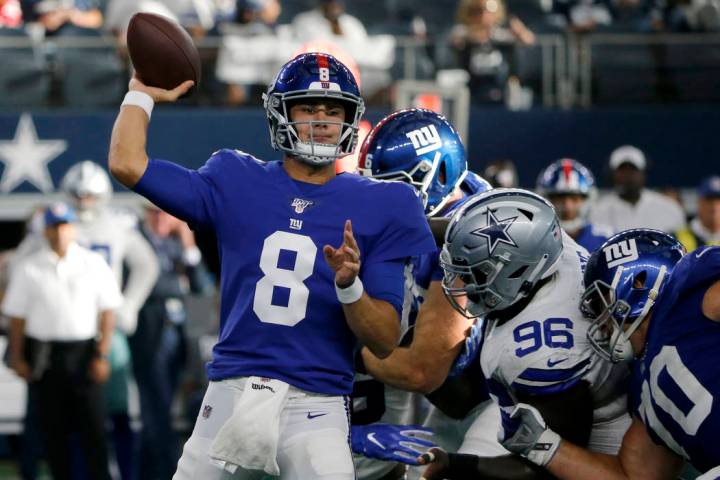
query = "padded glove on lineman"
x=525 y=433
x=395 y=443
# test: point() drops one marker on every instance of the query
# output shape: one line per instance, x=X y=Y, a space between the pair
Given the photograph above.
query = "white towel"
x=249 y=438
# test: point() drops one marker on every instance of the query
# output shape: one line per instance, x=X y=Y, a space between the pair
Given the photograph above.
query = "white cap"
x=627 y=154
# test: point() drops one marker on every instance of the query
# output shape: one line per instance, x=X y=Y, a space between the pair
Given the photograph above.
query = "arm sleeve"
x=143 y=269
x=15 y=302
x=184 y=193
x=386 y=281
x=407 y=232
x=109 y=296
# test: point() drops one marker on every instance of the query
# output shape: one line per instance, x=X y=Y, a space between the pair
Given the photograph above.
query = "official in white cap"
x=631 y=205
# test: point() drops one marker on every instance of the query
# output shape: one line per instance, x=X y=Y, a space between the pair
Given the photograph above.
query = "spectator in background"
x=119 y=12
x=10 y=14
x=634 y=15
x=252 y=19
x=570 y=187
x=328 y=21
x=158 y=345
x=632 y=205
x=581 y=16
x=687 y=15
x=60 y=301
x=480 y=40
x=64 y=17
x=501 y=174
x=705 y=228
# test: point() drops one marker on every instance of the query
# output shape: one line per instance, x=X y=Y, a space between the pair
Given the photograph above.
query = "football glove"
x=525 y=433
x=395 y=443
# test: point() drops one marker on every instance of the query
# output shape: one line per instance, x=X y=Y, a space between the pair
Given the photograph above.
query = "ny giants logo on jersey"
x=425 y=139
x=621 y=252
x=300 y=204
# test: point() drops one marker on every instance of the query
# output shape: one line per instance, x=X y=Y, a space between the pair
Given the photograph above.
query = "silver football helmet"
x=87 y=180
x=497 y=247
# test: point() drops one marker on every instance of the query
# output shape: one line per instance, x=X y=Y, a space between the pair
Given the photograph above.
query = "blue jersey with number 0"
x=676 y=387
x=280 y=316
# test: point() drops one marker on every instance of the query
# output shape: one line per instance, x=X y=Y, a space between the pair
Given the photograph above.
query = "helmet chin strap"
x=622 y=350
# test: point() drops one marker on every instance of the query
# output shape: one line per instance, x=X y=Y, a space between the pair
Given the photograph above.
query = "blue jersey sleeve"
x=406 y=232
x=697 y=269
x=184 y=193
x=385 y=281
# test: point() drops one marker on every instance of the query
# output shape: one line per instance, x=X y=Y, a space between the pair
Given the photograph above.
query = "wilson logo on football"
x=621 y=252
x=425 y=139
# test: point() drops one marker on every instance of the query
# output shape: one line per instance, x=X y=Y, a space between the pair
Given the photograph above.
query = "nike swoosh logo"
x=698 y=255
x=310 y=416
x=371 y=437
x=551 y=364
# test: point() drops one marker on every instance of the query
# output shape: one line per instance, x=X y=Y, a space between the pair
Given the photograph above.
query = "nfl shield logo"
x=207 y=410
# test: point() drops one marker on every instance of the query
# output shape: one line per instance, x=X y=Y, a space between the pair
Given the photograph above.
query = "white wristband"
x=139 y=99
x=350 y=294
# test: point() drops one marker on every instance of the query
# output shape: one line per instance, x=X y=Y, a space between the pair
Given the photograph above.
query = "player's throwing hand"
x=344 y=260
x=160 y=94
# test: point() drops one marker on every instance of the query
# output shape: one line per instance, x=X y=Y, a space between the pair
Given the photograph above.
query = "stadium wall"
x=680 y=142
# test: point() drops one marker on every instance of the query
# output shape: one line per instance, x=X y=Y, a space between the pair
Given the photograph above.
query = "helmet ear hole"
x=519 y=272
x=442 y=173
x=640 y=279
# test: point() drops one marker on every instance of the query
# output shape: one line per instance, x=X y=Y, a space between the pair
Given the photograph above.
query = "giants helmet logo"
x=425 y=139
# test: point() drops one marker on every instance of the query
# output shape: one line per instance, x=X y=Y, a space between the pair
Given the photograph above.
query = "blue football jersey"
x=279 y=314
x=676 y=384
x=590 y=237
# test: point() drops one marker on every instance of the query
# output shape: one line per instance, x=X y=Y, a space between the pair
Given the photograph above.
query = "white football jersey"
x=114 y=235
x=545 y=350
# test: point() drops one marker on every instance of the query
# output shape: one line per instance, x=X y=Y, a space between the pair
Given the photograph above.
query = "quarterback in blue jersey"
x=570 y=187
x=650 y=304
x=293 y=307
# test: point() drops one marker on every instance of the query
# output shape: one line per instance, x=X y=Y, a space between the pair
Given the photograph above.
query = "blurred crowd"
x=242 y=42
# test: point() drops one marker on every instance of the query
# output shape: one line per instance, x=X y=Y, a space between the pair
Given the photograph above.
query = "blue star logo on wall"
x=496 y=231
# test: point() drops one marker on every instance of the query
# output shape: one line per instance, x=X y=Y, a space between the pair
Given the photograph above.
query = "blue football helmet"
x=623 y=279
x=419 y=147
x=568 y=177
x=313 y=76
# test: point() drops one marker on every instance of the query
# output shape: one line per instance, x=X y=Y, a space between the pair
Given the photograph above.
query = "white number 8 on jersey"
x=305 y=252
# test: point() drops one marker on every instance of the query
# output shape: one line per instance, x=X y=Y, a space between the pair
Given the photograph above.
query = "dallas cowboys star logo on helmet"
x=496 y=231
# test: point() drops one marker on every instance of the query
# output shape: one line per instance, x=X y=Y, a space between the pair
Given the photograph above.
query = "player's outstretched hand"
x=437 y=460
x=394 y=443
x=160 y=94
x=344 y=260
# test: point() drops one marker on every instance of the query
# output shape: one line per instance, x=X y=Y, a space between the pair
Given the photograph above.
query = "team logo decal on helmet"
x=419 y=147
x=623 y=280
x=486 y=268
x=496 y=231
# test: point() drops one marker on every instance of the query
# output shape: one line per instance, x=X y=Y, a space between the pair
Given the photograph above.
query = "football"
x=162 y=52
